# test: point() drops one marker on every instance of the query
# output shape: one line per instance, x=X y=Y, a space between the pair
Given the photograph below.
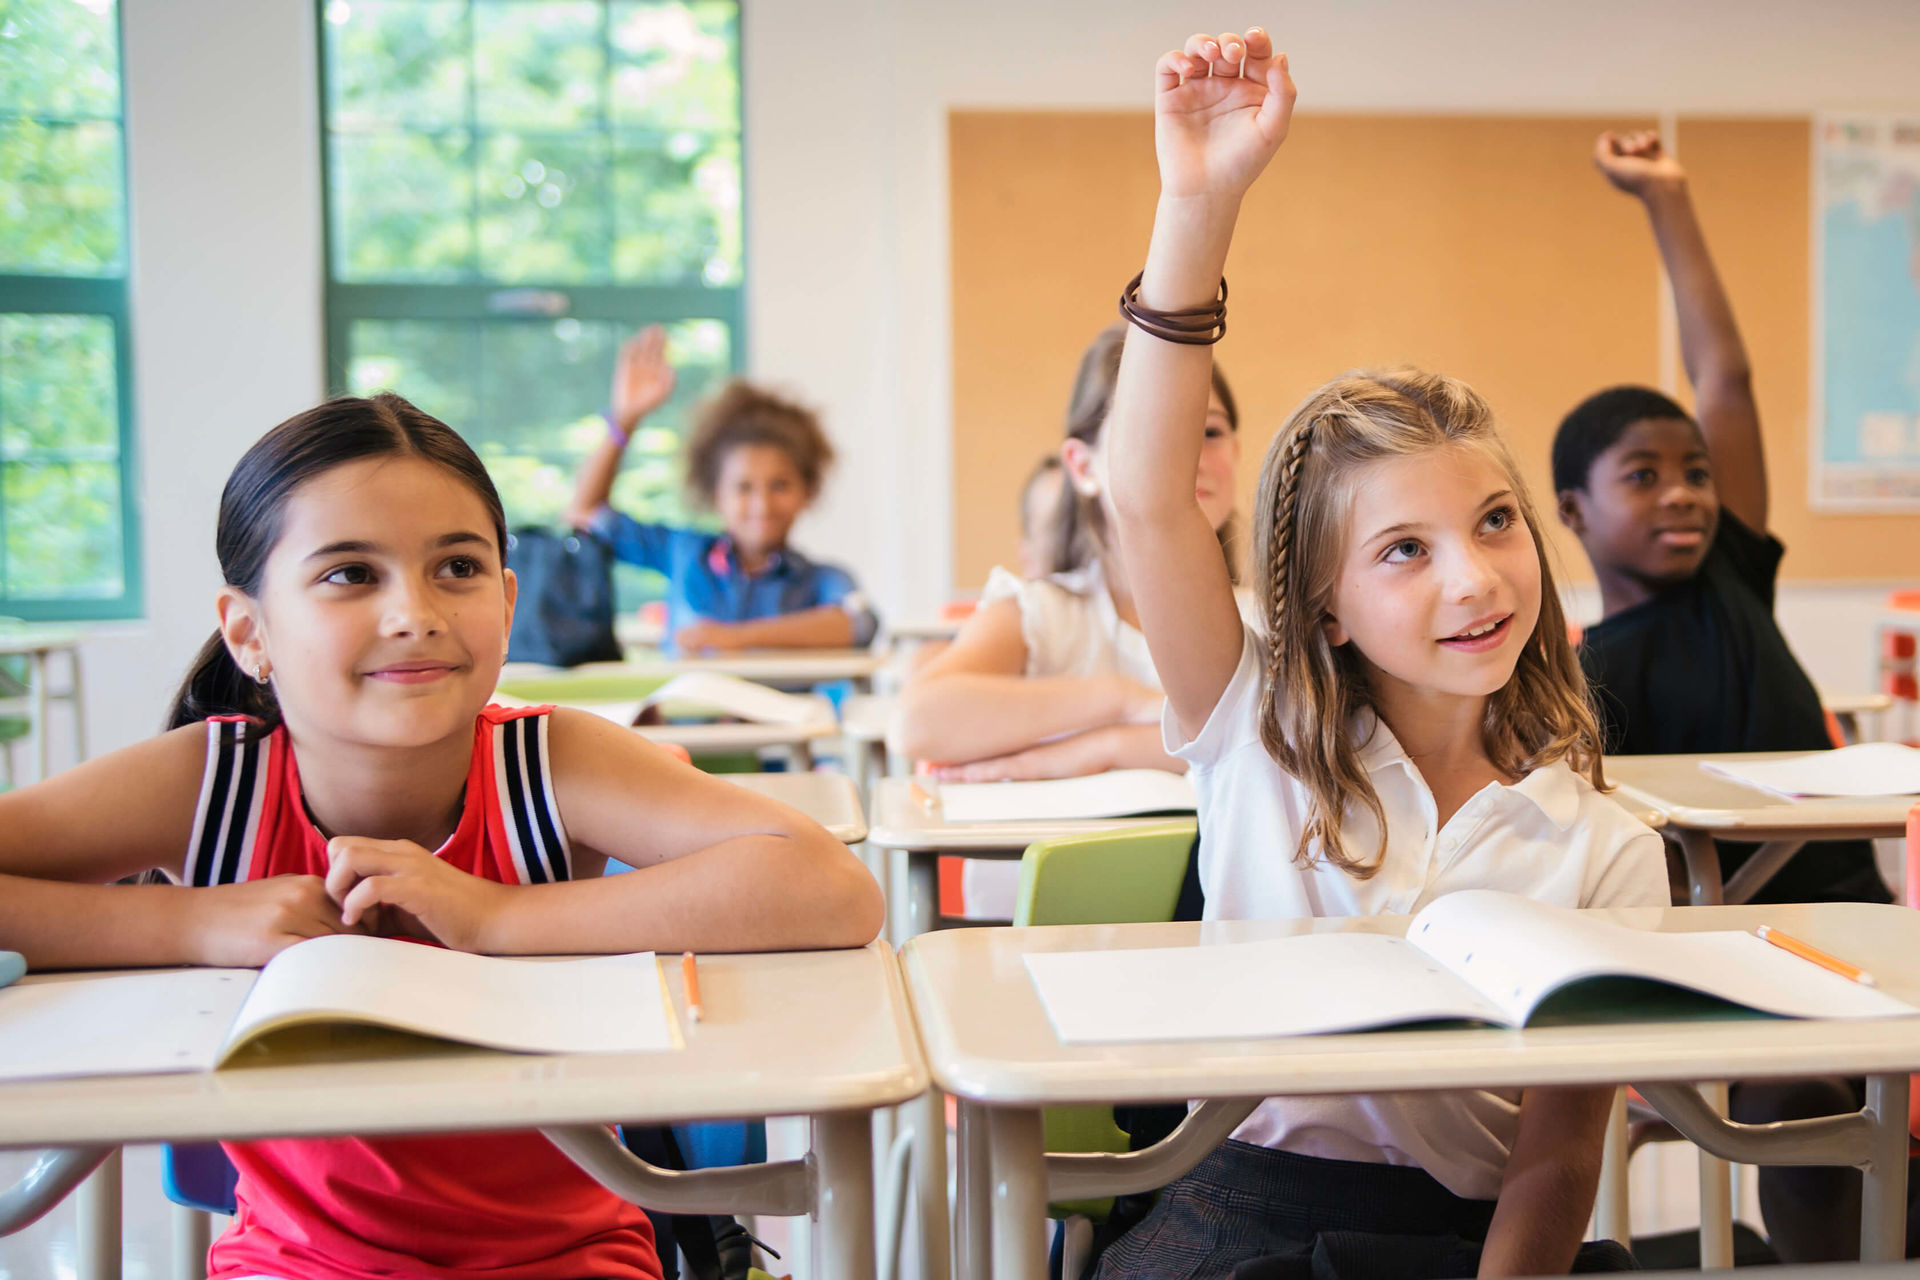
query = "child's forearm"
x=826 y=626
x=750 y=893
x=56 y=925
x=950 y=719
x=594 y=484
x=1546 y=1194
x=1710 y=343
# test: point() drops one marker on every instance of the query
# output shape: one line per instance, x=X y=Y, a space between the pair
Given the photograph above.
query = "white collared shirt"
x=1550 y=836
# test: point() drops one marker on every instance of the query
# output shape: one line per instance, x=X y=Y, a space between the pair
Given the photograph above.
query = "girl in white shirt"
x=1412 y=722
x=1051 y=677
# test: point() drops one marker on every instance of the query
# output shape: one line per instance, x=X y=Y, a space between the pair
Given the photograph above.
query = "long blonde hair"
x=1313 y=690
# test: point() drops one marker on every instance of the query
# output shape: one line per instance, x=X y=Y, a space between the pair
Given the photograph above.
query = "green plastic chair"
x=1131 y=876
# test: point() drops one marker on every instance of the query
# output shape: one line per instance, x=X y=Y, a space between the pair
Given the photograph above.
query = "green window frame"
x=42 y=302
x=479 y=318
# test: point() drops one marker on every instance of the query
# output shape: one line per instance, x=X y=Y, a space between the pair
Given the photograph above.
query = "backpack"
x=565 y=612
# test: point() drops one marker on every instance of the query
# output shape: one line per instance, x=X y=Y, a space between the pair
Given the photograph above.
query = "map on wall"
x=1866 y=324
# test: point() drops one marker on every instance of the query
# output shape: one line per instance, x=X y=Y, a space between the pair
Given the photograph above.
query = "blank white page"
x=118 y=1024
x=1864 y=770
x=1247 y=990
x=1115 y=794
x=730 y=695
x=603 y=1004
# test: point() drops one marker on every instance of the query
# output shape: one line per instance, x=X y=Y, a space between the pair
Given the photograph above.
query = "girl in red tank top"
x=335 y=767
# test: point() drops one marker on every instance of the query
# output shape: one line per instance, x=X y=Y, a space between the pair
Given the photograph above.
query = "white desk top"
x=701 y=739
x=36 y=637
x=901 y=821
x=928 y=628
x=864 y=716
x=1688 y=796
x=801 y=1032
x=987 y=1038
x=778 y=666
x=830 y=799
x=1854 y=704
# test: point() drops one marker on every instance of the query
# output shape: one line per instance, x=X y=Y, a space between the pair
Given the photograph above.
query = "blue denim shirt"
x=705 y=580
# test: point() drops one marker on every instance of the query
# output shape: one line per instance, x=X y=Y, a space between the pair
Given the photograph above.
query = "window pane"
x=59 y=58
x=391 y=63
x=60 y=186
x=543 y=208
x=57 y=390
x=403 y=206
x=677 y=209
x=674 y=65
x=540 y=66
x=528 y=394
x=62 y=527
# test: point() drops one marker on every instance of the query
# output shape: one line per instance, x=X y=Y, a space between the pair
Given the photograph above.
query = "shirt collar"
x=721 y=560
x=1551 y=788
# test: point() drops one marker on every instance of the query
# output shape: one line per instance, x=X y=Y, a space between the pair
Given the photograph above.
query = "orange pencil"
x=690 y=979
x=1852 y=973
x=920 y=795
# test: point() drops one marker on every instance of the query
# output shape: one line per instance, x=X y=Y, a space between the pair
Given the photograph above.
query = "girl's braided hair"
x=1314 y=691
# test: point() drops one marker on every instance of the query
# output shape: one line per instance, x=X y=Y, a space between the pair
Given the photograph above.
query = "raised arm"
x=975 y=701
x=1222 y=106
x=719 y=868
x=642 y=381
x=1710 y=345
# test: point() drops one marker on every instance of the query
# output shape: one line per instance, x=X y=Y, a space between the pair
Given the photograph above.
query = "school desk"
x=38 y=644
x=822 y=1034
x=1847 y=708
x=785 y=667
x=988 y=1042
x=828 y=798
x=1700 y=808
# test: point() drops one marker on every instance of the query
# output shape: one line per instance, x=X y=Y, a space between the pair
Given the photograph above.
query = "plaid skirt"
x=1251 y=1213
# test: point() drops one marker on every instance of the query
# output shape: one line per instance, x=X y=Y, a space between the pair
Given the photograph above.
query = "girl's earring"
x=259 y=673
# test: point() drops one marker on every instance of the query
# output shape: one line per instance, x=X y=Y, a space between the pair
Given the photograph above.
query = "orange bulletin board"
x=1487 y=247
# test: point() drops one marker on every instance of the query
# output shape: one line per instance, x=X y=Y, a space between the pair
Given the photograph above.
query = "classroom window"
x=513 y=186
x=68 y=536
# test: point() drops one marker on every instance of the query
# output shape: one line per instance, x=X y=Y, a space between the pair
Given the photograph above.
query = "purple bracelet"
x=614 y=433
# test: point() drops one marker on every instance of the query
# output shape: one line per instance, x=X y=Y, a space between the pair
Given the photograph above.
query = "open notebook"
x=711 y=693
x=1478 y=955
x=1860 y=771
x=1119 y=793
x=197 y=1019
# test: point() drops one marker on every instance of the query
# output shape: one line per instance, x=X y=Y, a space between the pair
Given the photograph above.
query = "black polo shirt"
x=1702 y=667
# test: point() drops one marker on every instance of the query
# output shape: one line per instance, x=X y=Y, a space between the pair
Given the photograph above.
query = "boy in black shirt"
x=1687 y=656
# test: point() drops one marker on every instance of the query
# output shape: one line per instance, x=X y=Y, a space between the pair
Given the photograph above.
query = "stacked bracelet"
x=1194 y=327
x=614 y=433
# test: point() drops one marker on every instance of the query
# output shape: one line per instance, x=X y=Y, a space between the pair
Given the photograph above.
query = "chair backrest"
x=1129 y=876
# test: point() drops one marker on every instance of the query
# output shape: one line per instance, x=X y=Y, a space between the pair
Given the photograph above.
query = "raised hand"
x=394 y=887
x=642 y=378
x=245 y=925
x=1636 y=163
x=1221 y=107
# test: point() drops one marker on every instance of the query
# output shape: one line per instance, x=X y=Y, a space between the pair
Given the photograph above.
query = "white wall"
x=847 y=232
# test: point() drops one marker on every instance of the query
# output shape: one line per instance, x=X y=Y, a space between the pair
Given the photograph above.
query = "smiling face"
x=384 y=608
x=758 y=495
x=1438 y=582
x=1649 y=508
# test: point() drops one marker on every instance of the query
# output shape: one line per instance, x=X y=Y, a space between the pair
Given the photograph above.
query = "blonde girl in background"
x=1051 y=677
x=1408 y=721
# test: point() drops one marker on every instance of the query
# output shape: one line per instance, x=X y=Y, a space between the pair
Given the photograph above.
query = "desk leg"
x=1019 y=1153
x=973 y=1222
x=1613 y=1219
x=1716 y=1195
x=1703 y=866
x=77 y=699
x=97 y=1207
x=930 y=1182
x=192 y=1237
x=923 y=893
x=1883 y=1199
x=42 y=740
x=843 y=1195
